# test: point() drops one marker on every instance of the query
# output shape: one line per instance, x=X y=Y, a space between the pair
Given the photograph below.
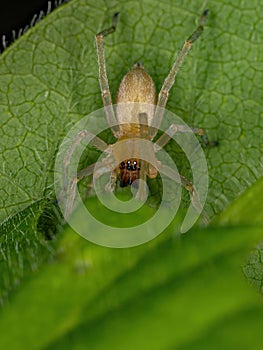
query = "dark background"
x=15 y=14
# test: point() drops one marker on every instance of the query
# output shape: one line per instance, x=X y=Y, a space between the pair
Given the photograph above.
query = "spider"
x=136 y=111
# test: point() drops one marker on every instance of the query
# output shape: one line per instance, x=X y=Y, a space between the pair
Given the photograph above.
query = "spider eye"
x=134 y=165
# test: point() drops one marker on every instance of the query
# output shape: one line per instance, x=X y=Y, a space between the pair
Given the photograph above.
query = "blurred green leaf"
x=247 y=209
x=165 y=294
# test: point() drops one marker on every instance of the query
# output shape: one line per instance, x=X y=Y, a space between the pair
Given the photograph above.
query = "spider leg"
x=103 y=79
x=187 y=184
x=83 y=135
x=111 y=185
x=174 y=128
x=72 y=187
x=169 y=81
x=146 y=169
x=97 y=169
x=144 y=133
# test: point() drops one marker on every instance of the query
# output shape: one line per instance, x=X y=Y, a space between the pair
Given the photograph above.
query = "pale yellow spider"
x=132 y=124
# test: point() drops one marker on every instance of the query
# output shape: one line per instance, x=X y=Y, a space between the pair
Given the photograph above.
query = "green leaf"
x=23 y=247
x=187 y=293
x=49 y=81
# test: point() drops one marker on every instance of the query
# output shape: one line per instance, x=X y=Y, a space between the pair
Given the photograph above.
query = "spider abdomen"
x=136 y=87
